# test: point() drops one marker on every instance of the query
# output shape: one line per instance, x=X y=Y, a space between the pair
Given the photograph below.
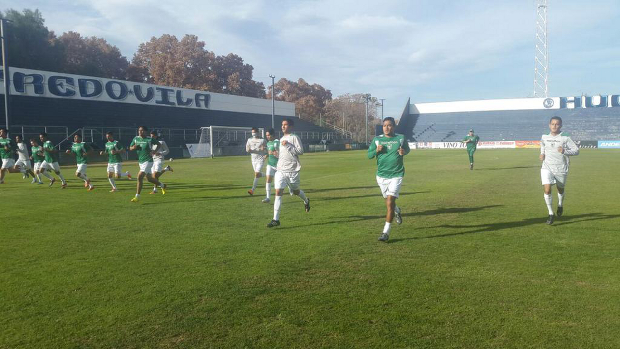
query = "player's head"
x=34 y=142
x=287 y=126
x=19 y=139
x=471 y=132
x=388 y=126
x=270 y=134
x=154 y=134
x=255 y=132
x=3 y=132
x=77 y=138
x=43 y=136
x=142 y=131
x=555 y=124
x=109 y=136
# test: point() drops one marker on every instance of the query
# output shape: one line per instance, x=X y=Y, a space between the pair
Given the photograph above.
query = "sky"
x=426 y=50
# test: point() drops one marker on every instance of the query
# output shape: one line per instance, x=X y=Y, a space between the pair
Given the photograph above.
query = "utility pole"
x=5 y=71
x=367 y=98
x=382 y=99
x=273 y=101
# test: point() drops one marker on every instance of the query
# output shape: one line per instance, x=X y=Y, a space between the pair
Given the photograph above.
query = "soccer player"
x=7 y=151
x=287 y=172
x=472 y=143
x=256 y=147
x=389 y=149
x=80 y=150
x=555 y=148
x=37 y=157
x=23 y=160
x=115 y=160
x=145 y=147
x=158 y=159
x=51 y=160
x=273 y=145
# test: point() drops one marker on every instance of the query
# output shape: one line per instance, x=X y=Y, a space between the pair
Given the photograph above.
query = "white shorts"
x=258 y=166
x=8 y=163
x=37 y=166
x=158 y=166
x=548 y=177
x=24 y=164
x=81 y=168
x=283 y=179
x=271 y=171
x=50 y=166
x=390 y=186
x=146 y=167
x=115 y=168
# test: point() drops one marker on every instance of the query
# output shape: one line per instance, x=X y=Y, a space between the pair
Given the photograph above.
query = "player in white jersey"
x=287 y=171
x=257 y=147
x=23 y=160
x=555 y=149
x=158 y=168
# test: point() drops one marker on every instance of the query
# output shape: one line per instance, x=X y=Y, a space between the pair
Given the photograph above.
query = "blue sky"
x=431 y=50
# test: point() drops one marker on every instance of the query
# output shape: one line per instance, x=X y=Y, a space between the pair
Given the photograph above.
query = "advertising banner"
x=587 y=144
x=496 y=145
x=609 y=144
x=527 y=144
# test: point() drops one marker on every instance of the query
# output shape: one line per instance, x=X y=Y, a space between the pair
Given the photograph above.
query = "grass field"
x=472 y=266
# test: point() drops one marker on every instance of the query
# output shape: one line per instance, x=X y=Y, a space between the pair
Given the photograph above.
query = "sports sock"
x=387 y=227
x=38 y=176
x=254 y=184
x=268 y=189
x=125 y=174
x=302 y=195
x=549 y=201
x=112 y=182
x=396 y=209
x=276 y=208
x=47 y=175
x=137 y=195
x=62 y=179
x=560 y=199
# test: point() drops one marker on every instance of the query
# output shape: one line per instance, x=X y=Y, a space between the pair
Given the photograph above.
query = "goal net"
x=221 y=141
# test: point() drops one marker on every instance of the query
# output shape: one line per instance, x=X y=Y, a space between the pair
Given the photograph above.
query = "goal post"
x=221 y=141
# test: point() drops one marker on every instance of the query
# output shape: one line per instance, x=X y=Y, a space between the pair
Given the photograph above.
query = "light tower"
x=541 y=57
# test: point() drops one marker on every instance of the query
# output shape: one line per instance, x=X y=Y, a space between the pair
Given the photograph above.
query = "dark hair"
x=79 y=135
x=154 y=132
x=271 y=131
x=289 y=121
x=4 y=128
x=44 y=134
x=144 y=128
x=34 y=140
x=556 y=118
x=255 y=129
x=20 y=136
x=109 y=133
x=390 y=119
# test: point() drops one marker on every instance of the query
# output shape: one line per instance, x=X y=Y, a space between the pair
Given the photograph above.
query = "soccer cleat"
x=52 y=181
x=384 y=237
x=251 y=192
x=87 y=183
x=550 y=219
x=163 y=189
x=134 y=199
x=91 y=187
x=399 y=218
x=154 y=191
x=471 y=166
x=34 y=181
x=266 y=200
x=273 y=223
x=114 y=190
x=168 y=168
x=560 y=211
x=63 y=186
x=307 y=205
x=129 y=175
x=40 y=183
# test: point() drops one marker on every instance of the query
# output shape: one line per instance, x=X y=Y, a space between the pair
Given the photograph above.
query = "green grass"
x=472 y=266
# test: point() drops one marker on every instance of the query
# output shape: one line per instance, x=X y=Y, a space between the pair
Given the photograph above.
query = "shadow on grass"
x=312 y=191
x=492 y=227
x=374 y=195
x=506 y=168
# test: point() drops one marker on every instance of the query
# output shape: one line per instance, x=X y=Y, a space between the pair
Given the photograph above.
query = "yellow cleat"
x=163 y=189
x=134 y=199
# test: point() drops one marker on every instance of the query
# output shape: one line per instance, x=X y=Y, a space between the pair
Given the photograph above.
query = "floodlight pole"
x=5 y=71
x=382 y=99
x=273 y=101
x=367 y=98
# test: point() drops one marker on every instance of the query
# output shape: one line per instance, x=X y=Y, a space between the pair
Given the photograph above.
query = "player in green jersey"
x=7 y=151
x=145 y=147
x=115 y=161
x=50 y=163
x=389 y=149
x=80 y=150
x=273 y=145
x=471 y=141
x=37 y=157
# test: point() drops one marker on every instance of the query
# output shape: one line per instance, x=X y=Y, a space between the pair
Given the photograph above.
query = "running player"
x=50 y=163
x=158 y=159
x=287 y=173
x=80 y=150
x=256 y=147
x=7 y=151
x=472 y=143
x=555 y=149
x=115 y=161
x=23 y=160
x=37 y=157
x=145 y=147
x=389 y=149
x=272 y=161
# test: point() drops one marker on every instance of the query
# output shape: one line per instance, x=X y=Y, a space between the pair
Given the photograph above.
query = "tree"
x=92 y=56
x=235 y=77
x=348 y=111
x=310 y=100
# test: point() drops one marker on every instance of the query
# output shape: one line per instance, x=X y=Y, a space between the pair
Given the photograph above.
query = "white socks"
x=254 y=184
x=549 y=201
x=47 y=175
x=276 y=208
x=125 y=174
x=302 y=195
x=112 y=182
x=560 y=200
x=268 y=189
x=387 y=227
x=62 y=179
x=84 y=178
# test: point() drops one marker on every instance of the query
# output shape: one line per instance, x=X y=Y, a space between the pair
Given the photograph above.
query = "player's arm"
x=404 y=147
x=157 y=146
x=70 y=152
x=248 y=149
x=133 y=145
x=164 y=148
x=542 y=149
x=372 y=149
x=570 y=148
x=294 y=146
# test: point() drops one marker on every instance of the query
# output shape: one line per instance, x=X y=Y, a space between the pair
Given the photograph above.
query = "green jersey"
x=144 y=148
x=273 y=146
x=389 y=162
x=36 y=154
x=50 y=157
x=4 y=153
x=113 y=158
x=474 y=142
x=80 y=150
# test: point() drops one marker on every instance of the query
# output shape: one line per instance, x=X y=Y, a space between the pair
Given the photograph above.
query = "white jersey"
x=22 y=152
x=253 y=146
x=163 y=151
x=555 y=161
x=288 y=155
